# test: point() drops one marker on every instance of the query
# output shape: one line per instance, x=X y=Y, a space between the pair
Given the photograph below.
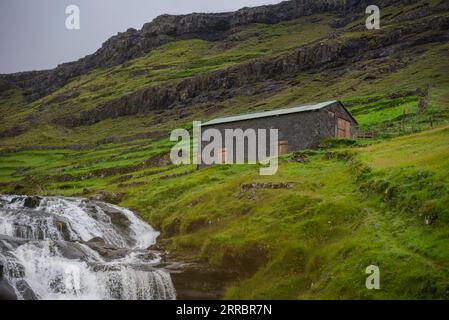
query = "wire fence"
x=408 y=126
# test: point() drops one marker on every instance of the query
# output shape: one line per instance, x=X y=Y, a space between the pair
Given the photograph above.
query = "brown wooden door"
x=283 y=147
x=343 y=128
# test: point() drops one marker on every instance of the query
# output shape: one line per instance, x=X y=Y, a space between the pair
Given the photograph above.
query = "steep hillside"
x=100 y=127
x=168 y=28
x=255 y=66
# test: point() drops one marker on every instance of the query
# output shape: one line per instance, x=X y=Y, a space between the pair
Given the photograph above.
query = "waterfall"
x=71 y=248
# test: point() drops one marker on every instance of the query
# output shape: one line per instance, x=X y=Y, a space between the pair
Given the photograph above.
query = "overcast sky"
x=34 y=36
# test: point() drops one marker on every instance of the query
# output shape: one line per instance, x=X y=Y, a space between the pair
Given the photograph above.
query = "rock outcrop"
x=6 y=290
x=134 y=43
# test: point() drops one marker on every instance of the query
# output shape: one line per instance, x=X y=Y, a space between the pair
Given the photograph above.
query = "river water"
x=72 y=248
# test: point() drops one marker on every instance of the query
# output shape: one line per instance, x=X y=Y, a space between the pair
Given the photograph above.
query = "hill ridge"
x=165 y=28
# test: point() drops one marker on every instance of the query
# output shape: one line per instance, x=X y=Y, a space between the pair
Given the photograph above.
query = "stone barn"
x=299 y=127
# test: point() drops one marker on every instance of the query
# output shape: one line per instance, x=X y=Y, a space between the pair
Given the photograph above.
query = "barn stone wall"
x=302 y=130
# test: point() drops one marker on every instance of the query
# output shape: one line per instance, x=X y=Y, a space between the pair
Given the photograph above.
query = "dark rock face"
x=32 y=202
x=134 y=43
x=7 y=291
x=197 y=281
x=25 y=290
x=63 y=228
x=107 y=252
x=12 y=132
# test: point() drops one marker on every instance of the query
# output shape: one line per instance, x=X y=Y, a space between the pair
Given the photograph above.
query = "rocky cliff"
x=134 y=43
x=260 y=74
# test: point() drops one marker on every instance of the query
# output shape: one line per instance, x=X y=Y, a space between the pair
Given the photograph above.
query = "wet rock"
x=6 y=243
x=6 y=290
x=110 y=253
x=36 y=224
x=118 y=218
x=71 y=250
x=195 y=281
x=148 y=256
x=32 y=202
x=25 y=290
x=63 y=228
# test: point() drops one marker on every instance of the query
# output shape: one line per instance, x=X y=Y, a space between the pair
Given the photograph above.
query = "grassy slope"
x=312 y=241
x=349 y=207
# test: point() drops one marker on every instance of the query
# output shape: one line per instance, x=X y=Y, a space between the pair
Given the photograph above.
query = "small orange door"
x=343 y=128
x=222 y=156
x=283 y=147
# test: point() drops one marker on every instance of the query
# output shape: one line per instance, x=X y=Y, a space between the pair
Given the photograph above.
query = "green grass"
x=312 y=241
x=351 y=205
x=383 y=111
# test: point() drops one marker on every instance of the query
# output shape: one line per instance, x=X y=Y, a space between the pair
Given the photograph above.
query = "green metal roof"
x=272 y=113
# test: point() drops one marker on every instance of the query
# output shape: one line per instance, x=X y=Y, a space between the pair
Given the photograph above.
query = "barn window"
x=331 y=114
x=343 y=128
x=222 y=156
x=283 y=147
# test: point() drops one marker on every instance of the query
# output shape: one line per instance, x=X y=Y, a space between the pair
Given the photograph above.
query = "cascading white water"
x=70 y=248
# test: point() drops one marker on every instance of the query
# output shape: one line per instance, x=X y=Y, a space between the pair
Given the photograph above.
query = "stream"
x=56 y=248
